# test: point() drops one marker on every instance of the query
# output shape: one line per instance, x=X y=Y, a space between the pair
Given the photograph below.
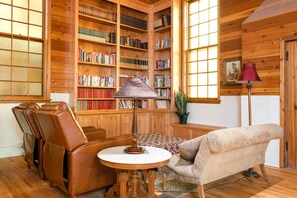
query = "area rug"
x=175 y=189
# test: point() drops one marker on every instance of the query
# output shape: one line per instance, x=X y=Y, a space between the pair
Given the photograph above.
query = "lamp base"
x=250 y=173
x=134 y=150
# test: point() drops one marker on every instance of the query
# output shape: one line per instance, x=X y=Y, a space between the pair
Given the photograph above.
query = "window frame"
x=185 y=50
x=45 y=52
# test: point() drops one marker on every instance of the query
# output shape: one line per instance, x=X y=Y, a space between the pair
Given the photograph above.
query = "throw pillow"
x=189 y=149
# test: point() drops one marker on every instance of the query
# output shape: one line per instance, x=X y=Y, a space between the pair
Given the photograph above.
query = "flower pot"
x=183 y=119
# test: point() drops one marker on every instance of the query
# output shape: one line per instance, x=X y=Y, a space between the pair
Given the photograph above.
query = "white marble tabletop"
x=150 y=155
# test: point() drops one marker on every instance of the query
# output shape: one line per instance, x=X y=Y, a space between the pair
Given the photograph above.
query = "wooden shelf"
x=164 y=29
x=95 y=19
x=102 y=99
x=162 y=87
x=134 y=48
x=134 y=68
x=96 y=42
x=163 y=49
x=128 y=27
x=96 y=64
x=162 y=69
x=95 y=87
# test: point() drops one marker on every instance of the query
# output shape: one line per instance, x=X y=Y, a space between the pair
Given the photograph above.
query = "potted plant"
x=181 y=102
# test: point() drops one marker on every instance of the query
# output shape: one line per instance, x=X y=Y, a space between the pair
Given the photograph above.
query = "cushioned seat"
x=32 y=140
x=222 y=153
x=70 y=160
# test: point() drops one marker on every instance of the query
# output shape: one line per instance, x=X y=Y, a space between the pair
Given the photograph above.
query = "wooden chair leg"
x=164 y=183
x=201 y=191
x=262 y=168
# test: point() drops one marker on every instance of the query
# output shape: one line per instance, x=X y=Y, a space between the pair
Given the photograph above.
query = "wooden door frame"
x=282 y=94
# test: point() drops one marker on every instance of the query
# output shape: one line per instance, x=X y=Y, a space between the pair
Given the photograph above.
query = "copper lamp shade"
x=135 y=89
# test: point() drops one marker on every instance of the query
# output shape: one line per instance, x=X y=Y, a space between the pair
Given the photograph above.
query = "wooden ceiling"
x=149 y=1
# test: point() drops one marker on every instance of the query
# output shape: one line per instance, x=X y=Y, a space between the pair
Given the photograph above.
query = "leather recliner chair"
x=70 y=160
x=32 y=140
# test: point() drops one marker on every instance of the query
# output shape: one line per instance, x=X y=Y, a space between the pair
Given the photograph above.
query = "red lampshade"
x=248 y=73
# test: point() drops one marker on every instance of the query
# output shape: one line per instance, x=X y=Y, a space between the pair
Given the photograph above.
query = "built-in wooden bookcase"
x=124 y=31
x=133 y=49
x=96 y=55
x=162 y=57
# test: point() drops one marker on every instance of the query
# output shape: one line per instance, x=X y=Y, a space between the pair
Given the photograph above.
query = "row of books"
x=95 y=105
x=163 y=43
x=134 y=62
x=96 y=35
x=134 y=22
x=96 y=57
x=127 y=104
x=161 y=80
x=132 y=42
x=98 y=81
x=164 y=93
x=163 y=21
x=163 y=63
x=95 y=93
x=162 y=104
x=96 y=12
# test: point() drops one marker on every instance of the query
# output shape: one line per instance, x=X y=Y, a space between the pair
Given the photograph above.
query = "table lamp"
x=135 y=89
x=248 y=75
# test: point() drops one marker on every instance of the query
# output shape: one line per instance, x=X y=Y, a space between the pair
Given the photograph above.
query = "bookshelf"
x=162 y=59
x=114 y=41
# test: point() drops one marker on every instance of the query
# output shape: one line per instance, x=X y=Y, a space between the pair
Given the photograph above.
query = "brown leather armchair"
x=32 y=140
x=70 y=160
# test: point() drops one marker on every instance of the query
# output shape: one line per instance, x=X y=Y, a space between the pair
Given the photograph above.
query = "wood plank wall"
x=232 y=15
x=62 y=60
x=261 y=45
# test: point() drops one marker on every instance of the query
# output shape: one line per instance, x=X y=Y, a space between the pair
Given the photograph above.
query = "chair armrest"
x=85 y=168
x=94 y=134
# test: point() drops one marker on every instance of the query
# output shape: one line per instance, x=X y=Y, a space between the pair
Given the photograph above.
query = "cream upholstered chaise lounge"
x=221 y=153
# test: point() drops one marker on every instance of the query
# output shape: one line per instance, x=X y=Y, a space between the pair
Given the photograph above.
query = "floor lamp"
x=135 y=89
x=248 y=75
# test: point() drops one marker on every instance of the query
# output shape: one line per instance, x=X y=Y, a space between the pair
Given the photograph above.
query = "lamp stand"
x=250 y=172
x=134 y=149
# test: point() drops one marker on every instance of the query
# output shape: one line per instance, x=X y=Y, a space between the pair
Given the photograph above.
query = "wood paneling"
x=261 y=45
x=61 y=52
x=232 y=15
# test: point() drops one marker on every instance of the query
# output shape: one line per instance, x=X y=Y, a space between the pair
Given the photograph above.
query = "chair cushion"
x=189 y=149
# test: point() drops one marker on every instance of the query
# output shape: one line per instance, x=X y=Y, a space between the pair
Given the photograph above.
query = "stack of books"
x=132 y=42
x=134 y=22
x=134 y=62
x=162 y=63
x=97 y=12
x=95 y=93
x=161 y=80
x=96 y=57
x=163 y=21
x=97 y=81
x=164 y=92
x=92 y=34
x=163 y=43
x=95 y=105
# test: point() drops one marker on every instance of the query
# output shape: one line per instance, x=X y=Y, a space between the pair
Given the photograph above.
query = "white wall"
x=265 y=109
x=233 y=112
x=11 y=136
x=227 y=113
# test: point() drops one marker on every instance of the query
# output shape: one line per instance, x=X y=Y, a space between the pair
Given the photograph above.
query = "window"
x=21 y=49
x=201 y=50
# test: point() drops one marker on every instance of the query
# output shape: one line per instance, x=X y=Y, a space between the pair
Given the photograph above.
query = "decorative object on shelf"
x=249 y=74
x=231 y=70
x=181 y=102
x=135 y=89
